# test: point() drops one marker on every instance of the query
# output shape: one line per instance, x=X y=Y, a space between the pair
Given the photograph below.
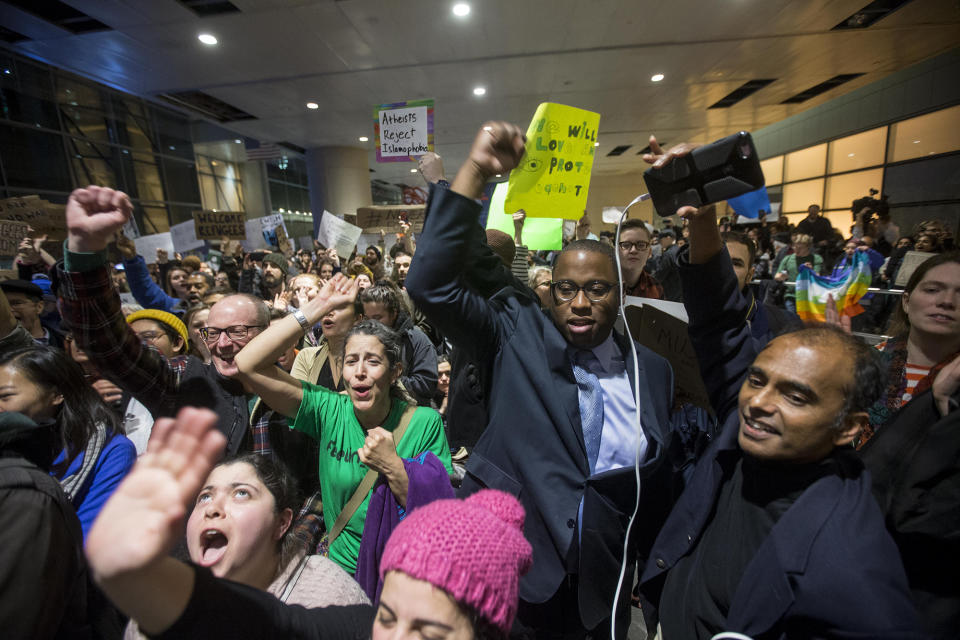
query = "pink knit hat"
x=473 y=549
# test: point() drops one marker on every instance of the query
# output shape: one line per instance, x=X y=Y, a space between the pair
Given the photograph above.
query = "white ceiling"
x=350 y=55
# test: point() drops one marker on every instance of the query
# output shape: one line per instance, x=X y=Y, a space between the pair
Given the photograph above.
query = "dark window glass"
x=34 y=159
x=181 y=178
x=173 y=135
x=923 y=180
x=26 y=94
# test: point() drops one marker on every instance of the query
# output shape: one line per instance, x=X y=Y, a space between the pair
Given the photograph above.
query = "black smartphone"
x=724 y=169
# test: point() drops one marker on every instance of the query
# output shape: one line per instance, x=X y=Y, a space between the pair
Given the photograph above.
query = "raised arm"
x=145 y=291
x=438 y=277
x=718 y=311
x=256 y=362
x=90 y=305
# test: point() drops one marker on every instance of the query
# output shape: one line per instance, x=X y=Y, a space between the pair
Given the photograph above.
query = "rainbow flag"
x=847 y=289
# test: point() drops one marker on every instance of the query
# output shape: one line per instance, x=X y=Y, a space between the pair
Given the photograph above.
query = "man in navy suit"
x=563 y=433
x=777 y=533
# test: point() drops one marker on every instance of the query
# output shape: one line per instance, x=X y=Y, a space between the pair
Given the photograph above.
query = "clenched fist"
x=94 y=216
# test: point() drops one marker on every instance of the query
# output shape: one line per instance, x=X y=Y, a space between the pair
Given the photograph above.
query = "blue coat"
x=533 y=445
x=828 y=569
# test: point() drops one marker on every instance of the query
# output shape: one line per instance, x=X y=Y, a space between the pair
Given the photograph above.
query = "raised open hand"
x=143 y=518
x=336 y=292
x=94 y=215
x=27 y=253
x=660 y=158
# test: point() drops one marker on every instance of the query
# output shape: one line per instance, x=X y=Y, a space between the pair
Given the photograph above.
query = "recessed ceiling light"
x=916 y=142
x=281 y=209
x=461 y=9
x=498 y=175
x=207 y=39
x=238 y=141
x=213 y=163
x=479 y=91
x=850 y=155
x=363 y=138
x=657 y=77
x=596 y=144
x=413 y=170
x=312 y=105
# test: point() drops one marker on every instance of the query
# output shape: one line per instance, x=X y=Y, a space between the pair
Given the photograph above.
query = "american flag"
x=266 y=151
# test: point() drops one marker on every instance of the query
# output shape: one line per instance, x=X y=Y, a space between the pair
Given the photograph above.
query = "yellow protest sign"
x=554 y=175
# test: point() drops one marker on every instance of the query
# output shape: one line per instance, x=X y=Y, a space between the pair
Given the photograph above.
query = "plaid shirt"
x=90 y=308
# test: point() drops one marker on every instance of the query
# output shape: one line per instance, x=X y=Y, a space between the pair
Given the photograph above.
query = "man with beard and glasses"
x=91 y=310
x=265 y=281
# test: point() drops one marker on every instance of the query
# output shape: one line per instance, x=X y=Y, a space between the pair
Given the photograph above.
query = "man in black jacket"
x=562 y=433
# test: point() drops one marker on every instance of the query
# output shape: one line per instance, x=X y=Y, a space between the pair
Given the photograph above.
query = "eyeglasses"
x=236 y=332
x=150 y=336
x=567 y=290
x=640 y=245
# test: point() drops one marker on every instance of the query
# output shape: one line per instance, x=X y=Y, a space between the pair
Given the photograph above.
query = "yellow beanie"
x=168 y=319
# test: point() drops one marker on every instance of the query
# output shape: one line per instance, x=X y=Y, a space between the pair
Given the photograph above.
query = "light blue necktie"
x=591 y=403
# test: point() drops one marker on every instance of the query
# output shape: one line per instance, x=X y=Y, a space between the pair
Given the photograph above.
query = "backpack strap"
x=368 y=480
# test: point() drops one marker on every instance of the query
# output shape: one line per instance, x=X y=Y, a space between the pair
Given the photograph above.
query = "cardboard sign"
x=147 y=245
x=667 y=336
x=283 y=242
x=403 y=130
x=214 y=225
x=338 y=234
x=183 y=237
x=373 y=219
x=554 y=174
x=11 y=233
x=538 y=233
x=373 y=240
x=911 y=261
x=44 y=217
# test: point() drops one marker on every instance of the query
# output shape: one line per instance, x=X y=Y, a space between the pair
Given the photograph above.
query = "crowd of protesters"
x=309 y=419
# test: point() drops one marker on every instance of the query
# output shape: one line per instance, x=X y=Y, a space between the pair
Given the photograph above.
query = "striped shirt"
x=914 y=373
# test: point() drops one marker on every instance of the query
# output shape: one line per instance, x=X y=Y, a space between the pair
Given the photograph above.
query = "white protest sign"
x=261 y=232
x=403 y=130
x=338 y=234
x=147 y=245
x=184 y=236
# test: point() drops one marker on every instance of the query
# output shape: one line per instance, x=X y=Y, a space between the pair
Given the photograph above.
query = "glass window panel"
x=806 y=163
x=929 y=180
x=937 y=132
x=155 y=220
x=75 y=92
x=231 y=194
x=859 y=151
x=93 y=163
x=772 y=170
x=26 y=94
x=34 y=159
x=278 y=195
x=173 y=134
x=208 y=192
x=88 y=122
x=181 y=178
x=134 y=129
x=800 y=195
x=149 y=186
x=844 y=189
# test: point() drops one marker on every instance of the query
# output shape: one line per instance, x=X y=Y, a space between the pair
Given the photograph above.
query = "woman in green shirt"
x=790 y=268
x=355 y=429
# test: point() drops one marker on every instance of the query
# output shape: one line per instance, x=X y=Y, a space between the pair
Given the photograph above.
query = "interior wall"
x=617 y=190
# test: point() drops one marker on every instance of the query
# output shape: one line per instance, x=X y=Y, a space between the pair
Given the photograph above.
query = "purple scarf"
x=428 y=480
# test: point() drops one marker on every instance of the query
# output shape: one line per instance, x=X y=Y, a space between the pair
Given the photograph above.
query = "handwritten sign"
x=283 y=241
x=183 y=237
x=147 y=245
x=387 y=217
x=338 y=234
x=214 y=225
x=373 y=240
x=260 y=233
x=403 y=130
x=554 y=174
x=667 y=336
x=11 y=233
x=538 y=233
x=44 y=217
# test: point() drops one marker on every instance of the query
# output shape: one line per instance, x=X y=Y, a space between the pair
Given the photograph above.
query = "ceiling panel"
x=349 y=55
